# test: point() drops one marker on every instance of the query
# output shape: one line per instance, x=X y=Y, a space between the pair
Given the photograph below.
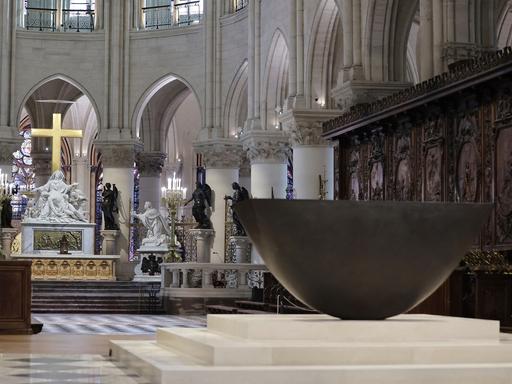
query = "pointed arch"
x=150 y=92
x=275 y=86
x=58 y=76
x=235 y=107
x=321 y=57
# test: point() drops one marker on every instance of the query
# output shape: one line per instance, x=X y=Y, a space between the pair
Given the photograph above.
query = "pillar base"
x=109 y=244
x=241 y=246
x=8 y=235
x=204 y=243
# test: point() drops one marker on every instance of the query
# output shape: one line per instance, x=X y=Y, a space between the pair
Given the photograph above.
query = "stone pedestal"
x=8 y=235
x=109 y=244
x=276 y=349
x=241 y=246
x=204 y=243
x=43 y=238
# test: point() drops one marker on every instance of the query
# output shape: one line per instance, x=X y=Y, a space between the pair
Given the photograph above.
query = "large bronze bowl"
x=361 y=260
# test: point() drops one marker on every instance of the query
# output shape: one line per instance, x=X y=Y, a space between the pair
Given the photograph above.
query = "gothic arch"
x=321 y=57
x=385 y=38
x=83 y=90
x=236 y=101
x=275 y=86
x=504 y=24
x=148 y=95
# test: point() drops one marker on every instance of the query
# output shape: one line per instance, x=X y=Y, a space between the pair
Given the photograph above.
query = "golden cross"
x=56 y=133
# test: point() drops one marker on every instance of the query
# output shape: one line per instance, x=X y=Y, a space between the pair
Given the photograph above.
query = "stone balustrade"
x=187 y=278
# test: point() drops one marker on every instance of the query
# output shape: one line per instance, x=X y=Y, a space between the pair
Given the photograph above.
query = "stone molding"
x=305 y=125
x=119 y=154
x=220 y=153
x=150 y=164
x=267 y=147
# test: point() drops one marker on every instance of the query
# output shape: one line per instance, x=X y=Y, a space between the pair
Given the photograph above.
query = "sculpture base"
x=204 y=243
x=318 y=348
x=43 y=238
x=72 y=267
x=241 y=249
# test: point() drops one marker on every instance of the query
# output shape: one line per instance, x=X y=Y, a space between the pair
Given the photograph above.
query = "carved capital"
x=150 y=164
x=221 y=153
x=305 y=126
x=118 y=154
x=267 y=147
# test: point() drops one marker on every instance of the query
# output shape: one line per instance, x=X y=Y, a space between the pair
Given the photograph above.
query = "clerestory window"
x=59 y=15
x=238 y=5
x=162 y=14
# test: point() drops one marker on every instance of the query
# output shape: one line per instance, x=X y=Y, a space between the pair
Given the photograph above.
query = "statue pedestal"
x=109 y=244
x=150 y=258
x=204 y=243
x=8 y=235
x=241 y=246
x=43 y=238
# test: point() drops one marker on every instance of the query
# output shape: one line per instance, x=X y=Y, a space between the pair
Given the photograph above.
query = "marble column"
x=118 y=160
x=222 y=158
x=7 y=148
x=81 y=174
x=268 y=152
x=42 y=166
x=150 y=165
x=312 y=155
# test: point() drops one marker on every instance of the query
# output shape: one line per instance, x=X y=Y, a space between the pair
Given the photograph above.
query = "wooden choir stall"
x=15 y=297
x=446 y=139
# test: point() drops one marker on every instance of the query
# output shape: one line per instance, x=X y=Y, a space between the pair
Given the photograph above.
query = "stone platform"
x=303 y=349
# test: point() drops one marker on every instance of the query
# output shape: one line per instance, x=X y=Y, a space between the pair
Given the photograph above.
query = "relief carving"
x=504 y=187
x=403 y=179
x=468 y=160
x=433 y=172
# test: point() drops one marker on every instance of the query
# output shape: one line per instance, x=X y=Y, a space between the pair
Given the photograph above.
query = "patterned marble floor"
x=114 y=324
x=55 y=369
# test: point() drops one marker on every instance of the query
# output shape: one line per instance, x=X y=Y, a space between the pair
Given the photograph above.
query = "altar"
x=77 y=266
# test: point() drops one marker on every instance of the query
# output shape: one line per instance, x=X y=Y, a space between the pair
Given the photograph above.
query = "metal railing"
x=239 y=5
x=157 y=17
x=74 y=20
x=41 y=19
x=187 y=13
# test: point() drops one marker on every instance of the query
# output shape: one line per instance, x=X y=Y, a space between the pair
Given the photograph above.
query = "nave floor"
x=75 y=348
x=85 y=324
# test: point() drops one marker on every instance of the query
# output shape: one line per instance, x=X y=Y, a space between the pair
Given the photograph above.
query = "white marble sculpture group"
x=57 y=202
x=158 y=231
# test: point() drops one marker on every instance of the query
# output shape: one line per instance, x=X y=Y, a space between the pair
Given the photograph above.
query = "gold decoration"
x=73 y=269
x=56 y=133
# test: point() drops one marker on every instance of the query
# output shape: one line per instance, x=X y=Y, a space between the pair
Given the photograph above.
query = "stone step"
x=168 y=365
x=131 y=311
x=93 y=296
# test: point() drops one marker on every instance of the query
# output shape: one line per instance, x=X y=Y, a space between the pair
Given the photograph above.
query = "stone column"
x=118 y=160
x=222 y=158
x=7 y=148
x=8 y=235
x=312 y=155
x=268 y=152
x=42 y=165
x=81 y=174
x=426 y=40
x=150 y=165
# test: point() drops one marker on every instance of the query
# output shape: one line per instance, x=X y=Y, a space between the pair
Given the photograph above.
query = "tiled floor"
x=55 y=369
x=114 y=324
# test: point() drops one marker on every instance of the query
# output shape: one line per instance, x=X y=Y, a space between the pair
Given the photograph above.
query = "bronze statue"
x=239 y=194
x=109 y=206
x=6 y=216
x=202 y=197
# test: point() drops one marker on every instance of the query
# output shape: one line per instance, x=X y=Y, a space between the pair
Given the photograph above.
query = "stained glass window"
x=22 y=170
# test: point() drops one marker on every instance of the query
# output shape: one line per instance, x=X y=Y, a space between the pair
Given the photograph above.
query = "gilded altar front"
x=97 y=268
